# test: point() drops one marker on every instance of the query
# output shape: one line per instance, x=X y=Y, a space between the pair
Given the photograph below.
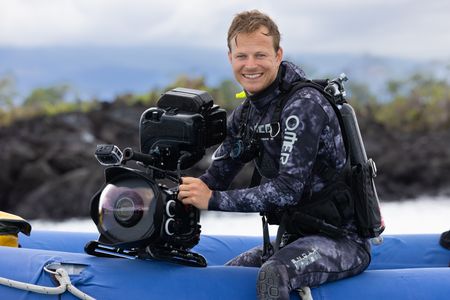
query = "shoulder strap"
x=243 y=118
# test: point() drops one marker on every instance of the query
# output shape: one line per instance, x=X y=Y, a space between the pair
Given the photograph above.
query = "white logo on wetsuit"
x=289 y=138
x=305 y=259
x=265 y=130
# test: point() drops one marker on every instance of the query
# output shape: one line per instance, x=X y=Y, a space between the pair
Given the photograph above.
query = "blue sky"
x=405 y=29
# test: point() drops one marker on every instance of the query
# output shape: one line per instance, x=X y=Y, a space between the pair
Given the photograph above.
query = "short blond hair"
x=251 y=21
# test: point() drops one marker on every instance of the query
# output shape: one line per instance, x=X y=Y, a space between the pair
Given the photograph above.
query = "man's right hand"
x=195 y=192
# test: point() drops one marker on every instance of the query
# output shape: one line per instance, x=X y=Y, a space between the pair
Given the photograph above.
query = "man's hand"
x=194 y=191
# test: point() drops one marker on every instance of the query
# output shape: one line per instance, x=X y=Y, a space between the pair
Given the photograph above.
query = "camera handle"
x=185 y=155
x=130 y=154
x=148 y=161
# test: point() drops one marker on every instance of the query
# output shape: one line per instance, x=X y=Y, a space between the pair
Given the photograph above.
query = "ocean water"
x=423 y=215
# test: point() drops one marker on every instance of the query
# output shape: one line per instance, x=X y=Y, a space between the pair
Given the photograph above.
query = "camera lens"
x=128 y=209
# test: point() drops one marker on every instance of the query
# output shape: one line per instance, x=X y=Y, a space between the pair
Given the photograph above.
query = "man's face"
x=254 y=60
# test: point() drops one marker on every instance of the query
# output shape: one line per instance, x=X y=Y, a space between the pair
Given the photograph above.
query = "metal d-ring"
x=278 y=131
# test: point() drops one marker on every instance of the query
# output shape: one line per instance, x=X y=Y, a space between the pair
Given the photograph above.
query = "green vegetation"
x=42 y=101
x=417 y=104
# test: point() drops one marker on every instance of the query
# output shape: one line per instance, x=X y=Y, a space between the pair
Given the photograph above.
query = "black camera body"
x=136 y=215
x=175 y=127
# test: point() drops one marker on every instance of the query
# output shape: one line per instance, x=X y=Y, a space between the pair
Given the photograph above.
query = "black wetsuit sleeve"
x=302 y=122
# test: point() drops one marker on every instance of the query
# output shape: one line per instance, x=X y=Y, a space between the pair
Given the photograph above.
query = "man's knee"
x=250 y=258
x=273 y=281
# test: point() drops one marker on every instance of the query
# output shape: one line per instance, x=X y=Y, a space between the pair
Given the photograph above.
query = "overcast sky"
x=401 y=28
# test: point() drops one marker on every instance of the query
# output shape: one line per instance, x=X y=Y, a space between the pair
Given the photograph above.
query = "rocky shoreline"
x=49 y=170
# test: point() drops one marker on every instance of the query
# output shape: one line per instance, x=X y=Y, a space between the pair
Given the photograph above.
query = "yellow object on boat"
x=10 y=226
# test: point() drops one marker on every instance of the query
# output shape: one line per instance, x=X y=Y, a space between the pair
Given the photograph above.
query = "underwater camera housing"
x=139 y=217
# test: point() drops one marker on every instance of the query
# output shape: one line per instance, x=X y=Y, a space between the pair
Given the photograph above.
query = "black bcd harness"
x=348 y=194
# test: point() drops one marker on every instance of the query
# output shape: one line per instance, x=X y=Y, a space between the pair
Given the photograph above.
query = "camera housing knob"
x=170 y=208
x=169 y=226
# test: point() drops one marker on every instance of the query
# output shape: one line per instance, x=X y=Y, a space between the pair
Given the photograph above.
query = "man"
x=286 y=155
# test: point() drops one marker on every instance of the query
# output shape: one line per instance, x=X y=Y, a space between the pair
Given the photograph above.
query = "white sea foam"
x=424 y=215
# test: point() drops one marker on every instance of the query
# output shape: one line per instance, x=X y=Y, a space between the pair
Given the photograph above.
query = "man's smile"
x=252 y=76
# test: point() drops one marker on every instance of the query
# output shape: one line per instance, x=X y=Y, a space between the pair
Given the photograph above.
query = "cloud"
x=414 y=28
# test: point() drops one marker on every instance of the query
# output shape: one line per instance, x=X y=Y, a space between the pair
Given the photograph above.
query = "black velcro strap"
x=268 y=250
x=243 y=118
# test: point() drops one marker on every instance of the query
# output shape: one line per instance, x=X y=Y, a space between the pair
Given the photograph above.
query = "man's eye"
x=260 y=55
x=240 y=56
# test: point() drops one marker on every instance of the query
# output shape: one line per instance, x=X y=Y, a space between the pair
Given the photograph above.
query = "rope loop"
x=60 y=274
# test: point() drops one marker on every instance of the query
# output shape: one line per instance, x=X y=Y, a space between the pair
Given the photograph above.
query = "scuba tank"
x=363 y=170
x=357 y=151
x=335 y=87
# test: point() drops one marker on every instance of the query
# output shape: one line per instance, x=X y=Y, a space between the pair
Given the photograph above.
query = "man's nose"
x=251 y=62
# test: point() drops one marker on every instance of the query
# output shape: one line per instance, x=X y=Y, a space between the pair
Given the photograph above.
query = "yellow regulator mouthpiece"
x=9 y=240
x=10 y=226
x=241 y=95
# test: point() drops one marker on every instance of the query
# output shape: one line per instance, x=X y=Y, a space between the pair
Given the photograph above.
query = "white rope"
x=64 y=280
x=305 y=293
x=32 y=288
x=60 y=274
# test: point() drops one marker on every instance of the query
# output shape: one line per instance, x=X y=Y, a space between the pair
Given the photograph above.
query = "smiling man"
x=293 y=137
x=254 y=58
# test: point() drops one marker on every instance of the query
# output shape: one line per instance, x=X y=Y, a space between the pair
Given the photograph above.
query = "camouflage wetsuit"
x=310 y=131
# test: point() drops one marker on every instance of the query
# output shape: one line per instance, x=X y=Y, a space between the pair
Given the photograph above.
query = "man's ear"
x=229 y=56
x=279 y=55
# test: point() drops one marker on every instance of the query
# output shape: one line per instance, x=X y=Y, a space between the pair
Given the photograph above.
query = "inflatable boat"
x=403 y=267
